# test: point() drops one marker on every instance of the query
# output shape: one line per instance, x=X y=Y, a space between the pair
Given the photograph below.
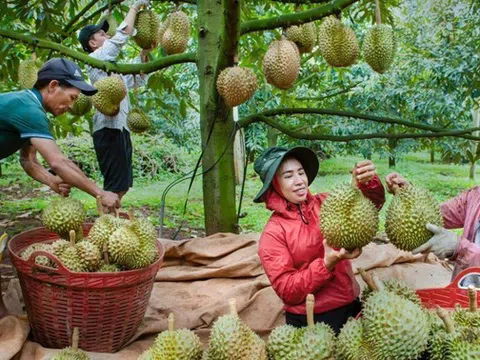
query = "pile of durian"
x=72 y=352
x=113 y=243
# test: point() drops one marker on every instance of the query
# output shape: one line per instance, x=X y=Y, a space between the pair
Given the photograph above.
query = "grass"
x=443 y=180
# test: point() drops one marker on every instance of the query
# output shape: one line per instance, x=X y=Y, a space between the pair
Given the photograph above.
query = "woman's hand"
x=393 y=180
x=332 y=257
x=363 y=172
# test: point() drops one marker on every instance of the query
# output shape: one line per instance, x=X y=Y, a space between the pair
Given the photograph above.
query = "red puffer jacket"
x=291 y=252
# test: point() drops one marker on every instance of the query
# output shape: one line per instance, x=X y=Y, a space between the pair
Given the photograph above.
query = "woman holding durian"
x=296 y=257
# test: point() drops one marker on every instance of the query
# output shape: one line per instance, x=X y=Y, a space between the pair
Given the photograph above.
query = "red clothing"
x=292 y=253
x=464 y=211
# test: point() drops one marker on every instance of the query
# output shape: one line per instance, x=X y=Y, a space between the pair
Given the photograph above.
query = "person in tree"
x=111 y=135
x=293 y=252
x=463 y=211
x=24 y=127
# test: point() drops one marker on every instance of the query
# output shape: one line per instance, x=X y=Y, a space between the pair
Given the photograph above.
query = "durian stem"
x=235 y=60
x=447 y=320
x=117 y=212
x=72 y=237
x=99 y=205
x=171 y=322
x=367 y=278
x=130 y=215
x=75 y=339
x=105 y=254
x=472 y=297
x=378 y=15
x=34 y=56
x=378 y=283
x=310 y=308
x=232 y=303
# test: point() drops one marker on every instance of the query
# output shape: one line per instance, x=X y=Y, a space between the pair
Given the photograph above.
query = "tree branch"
x=297 y=18
x=380 y=119
x=301 y=1
x=144 y=68
x=332 y=94
x=346 y=138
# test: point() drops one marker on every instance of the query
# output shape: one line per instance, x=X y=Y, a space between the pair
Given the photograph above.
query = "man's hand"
x=443 y=243
x=60 y=187
x=332 y=256
x=110 y=201
x=363 y=172
x=395 y=179
x=137 y=3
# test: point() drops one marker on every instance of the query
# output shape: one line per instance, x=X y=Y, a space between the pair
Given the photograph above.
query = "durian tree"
x=221 y=33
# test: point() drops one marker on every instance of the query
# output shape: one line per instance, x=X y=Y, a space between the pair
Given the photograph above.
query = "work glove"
x=137 y=3
x=443 y=243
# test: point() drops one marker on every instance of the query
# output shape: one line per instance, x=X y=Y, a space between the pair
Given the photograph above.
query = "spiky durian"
x=27 y=73
x=73 y=352
x=40 y=260
x=111 y=92
x=304 y=36
x=81 y=105
x=379 y=47
x=338 y=43
x=236 y=85
x=407 y=216
x=147 y=25
x=350 y=344
x=281 y=64
x=138 y=121
x=348 y=219
x=174 y=33
x=63 y=215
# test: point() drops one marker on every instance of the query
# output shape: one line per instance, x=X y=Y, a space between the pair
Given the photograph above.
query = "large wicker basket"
x=106 y=307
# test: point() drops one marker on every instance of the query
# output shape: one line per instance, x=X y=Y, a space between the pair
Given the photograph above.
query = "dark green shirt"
x=22 y=117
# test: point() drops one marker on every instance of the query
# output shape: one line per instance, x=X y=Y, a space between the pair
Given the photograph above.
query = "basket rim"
x=87 y=274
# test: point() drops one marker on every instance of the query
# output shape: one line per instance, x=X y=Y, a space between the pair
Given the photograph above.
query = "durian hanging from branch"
x=379 y=44
x=304 y=36
x=338 y=43
x=110 y=19
x=174 y=33
x=81 y=105
x=137 y=120
x=281 y=63
x=27 y=71
x=236 y=84
x=147 y=24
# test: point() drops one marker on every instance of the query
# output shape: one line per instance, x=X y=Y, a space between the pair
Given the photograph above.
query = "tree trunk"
x=392 y=144
x=476 y=122
x=432 y=152
x=217 y=44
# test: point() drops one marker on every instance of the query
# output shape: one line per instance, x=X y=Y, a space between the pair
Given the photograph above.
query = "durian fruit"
x=281 y=64
x=236 y=85
x=304 y=36
x=180 y=344
x=468 y=320
x=63 y=215
x=350 y=344
x=27 y=72
x=394 y=327
x=104 y=226
x=138 y=121
x=174 y=33
x=69 y=256
x=40 y=260
x=231 y=339
x=147 y=251
x=282 y=342
x=123 y=245
x=81 y=105
x=314 y=342
x=111 y=92
x=348 y=219
x=89 y=255
x=450 y=344
x=338 y=43
x=147 y=25
x=407 y=216
x=112 y=24
x=317 y=340
x=379 y=47
x=73 y=352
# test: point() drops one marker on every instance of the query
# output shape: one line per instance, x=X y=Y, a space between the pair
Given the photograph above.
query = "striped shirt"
x=109 y=52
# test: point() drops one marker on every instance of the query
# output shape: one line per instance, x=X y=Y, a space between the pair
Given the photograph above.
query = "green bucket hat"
x=268 y=162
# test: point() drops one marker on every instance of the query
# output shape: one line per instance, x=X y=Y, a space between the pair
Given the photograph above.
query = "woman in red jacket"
x=294 y=254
